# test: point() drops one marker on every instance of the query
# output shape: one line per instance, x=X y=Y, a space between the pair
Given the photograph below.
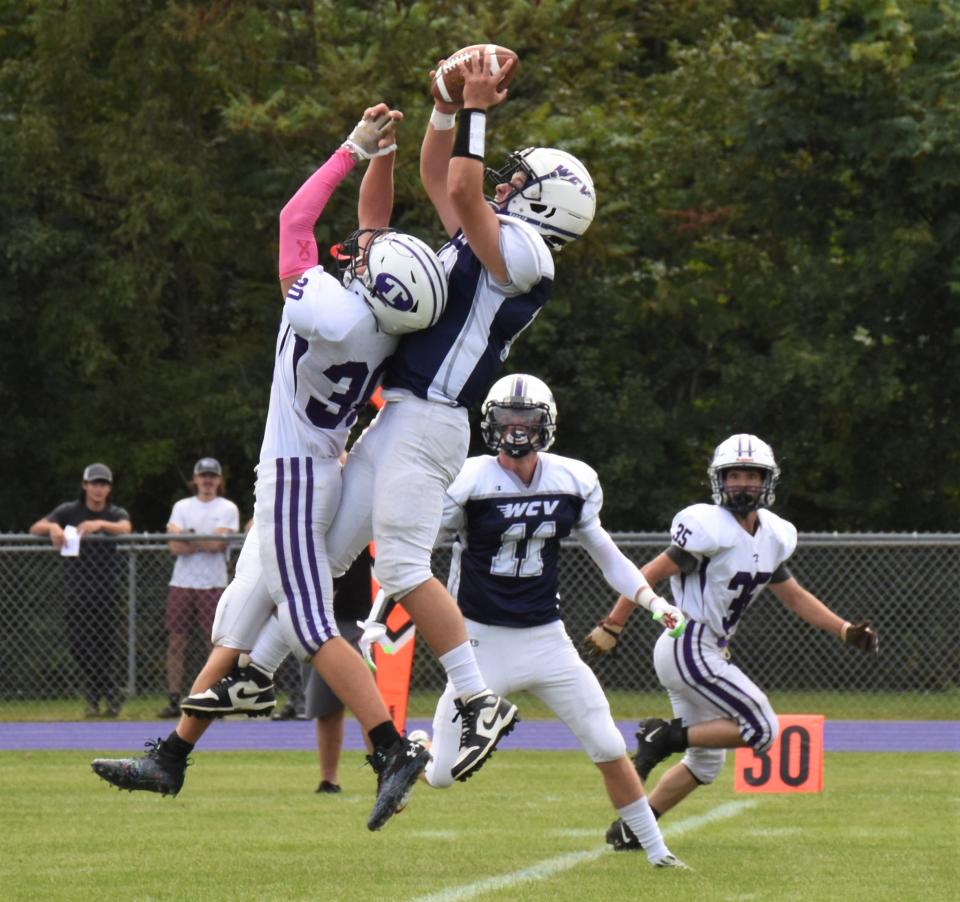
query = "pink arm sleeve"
x=298 y=246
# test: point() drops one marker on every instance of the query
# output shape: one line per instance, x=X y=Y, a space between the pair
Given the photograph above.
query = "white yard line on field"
x=550 y=866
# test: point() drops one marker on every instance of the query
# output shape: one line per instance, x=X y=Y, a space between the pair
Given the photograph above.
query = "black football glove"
x=861 y=636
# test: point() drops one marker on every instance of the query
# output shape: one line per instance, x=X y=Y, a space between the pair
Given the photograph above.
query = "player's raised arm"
x=375 y=201
x=435 y=157
x=478 y=220
x=370 y=138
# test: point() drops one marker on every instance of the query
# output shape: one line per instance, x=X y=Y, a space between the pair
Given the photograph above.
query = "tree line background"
x=775 y=248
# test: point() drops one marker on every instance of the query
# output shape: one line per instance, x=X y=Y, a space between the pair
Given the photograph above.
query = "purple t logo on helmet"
x=393 y=292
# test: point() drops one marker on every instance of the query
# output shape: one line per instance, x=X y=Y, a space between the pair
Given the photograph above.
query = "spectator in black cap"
x=93 y=602
x=200 y=571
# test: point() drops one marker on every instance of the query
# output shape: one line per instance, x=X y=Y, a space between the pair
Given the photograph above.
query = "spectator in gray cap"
x=92 y=581
x=200 y=571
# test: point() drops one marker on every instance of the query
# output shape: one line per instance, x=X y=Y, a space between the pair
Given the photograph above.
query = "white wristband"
x=644 y=597
x=442 y=122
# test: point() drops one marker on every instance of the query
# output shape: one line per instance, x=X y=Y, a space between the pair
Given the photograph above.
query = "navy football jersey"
x=456 y=360
x=505 y=556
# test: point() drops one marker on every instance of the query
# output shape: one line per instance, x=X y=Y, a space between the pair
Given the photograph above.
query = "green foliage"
x=774 y=249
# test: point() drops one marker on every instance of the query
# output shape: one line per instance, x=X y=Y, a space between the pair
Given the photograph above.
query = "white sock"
x=460 y=663
x=640 y=819
x=271 y=647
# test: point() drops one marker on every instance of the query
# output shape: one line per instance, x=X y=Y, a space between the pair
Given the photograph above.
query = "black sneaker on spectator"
x=289 y=712
x=173 y=707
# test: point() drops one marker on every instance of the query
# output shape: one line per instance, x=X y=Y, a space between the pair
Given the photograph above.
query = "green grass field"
x=528 y=827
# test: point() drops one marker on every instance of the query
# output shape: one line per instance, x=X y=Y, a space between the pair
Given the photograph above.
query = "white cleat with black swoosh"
x=245 y=690
x=485 y=719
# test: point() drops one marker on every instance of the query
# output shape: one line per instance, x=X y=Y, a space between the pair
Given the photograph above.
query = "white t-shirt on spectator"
x=205 y=569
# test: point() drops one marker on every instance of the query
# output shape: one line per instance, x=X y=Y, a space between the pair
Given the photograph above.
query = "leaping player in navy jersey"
x=500 y=274
x=720 y=558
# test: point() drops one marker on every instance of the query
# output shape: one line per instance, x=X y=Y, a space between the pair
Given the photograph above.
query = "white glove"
x=669 y=617
x=374 y=631
x=364 y=140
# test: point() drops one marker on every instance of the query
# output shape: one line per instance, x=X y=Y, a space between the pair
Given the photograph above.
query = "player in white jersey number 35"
x=720 y=558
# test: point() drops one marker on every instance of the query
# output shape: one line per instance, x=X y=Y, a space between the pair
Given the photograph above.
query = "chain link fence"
x=101 y=616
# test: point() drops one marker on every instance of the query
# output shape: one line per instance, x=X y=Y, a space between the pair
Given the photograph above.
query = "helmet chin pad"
x=742 y=500
x=517 y=441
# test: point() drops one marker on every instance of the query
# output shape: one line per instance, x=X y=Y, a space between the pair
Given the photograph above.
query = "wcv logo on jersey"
x=518 y=509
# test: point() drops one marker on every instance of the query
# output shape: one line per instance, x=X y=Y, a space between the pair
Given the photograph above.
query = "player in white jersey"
x=509 y=513
x=500 y=274
x=720 y=558
x=333 y=342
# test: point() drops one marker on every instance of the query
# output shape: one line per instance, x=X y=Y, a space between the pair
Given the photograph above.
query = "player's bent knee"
x=704 y=764
x=398 y=578
x=606 y=745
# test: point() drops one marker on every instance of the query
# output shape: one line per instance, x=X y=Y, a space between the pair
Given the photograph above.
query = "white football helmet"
x=743 y=452
x=404 y=281
x=558 y=197
x=519 y=415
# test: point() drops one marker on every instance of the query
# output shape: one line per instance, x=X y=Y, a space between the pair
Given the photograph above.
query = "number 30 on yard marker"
x=794 y=763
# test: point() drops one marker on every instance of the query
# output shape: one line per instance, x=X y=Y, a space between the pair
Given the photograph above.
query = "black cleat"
x=397 y=771
x=245 y=690
x=622 y=838
x=653 y=745
x=327 y=787
x=155 y=771
x=485 y=719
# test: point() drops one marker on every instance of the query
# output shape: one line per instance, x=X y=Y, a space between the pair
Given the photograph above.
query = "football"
x=448 y=82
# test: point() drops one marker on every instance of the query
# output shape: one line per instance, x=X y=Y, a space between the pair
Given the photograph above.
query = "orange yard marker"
x=794 y=763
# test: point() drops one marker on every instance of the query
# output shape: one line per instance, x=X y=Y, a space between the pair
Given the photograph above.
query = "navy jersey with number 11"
x=504 y=570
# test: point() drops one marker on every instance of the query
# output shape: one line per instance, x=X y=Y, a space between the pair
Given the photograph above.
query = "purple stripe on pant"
x=760 y=733
x=312 y=558
x=302 y=613
x=278 y=541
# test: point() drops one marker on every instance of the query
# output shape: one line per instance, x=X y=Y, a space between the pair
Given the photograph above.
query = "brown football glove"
x=602 y=639
x=861 y=636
